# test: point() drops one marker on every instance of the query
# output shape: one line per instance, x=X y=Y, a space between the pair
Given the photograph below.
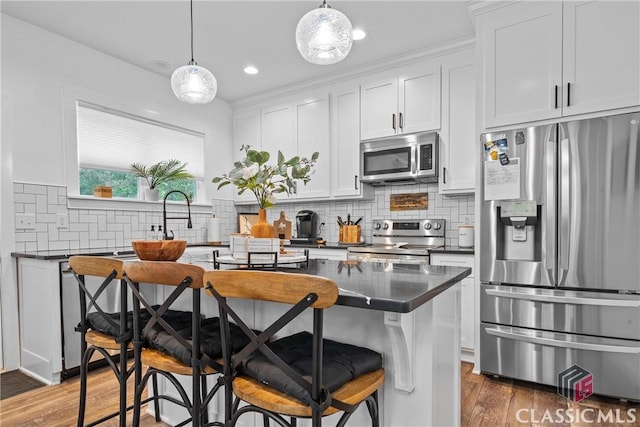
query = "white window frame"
x=73 y=95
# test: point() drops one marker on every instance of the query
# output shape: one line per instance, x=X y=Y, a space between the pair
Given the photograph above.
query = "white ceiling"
x=229 y=35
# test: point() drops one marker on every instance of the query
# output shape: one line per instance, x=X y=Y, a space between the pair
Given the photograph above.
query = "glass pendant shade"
x=194 y=84
x=324 y=36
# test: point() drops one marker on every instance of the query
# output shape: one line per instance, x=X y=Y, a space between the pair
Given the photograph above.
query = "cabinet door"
x=246 y=131
x=277 y=134
x=311 y=125
x=419 y=97
x=345 y=140
x=522 y=50
x=379 y=107
x=601 y=55
x=467 y=296
x=458 y=144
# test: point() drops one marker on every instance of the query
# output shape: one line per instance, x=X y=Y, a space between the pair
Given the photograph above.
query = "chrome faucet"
x=165 y=218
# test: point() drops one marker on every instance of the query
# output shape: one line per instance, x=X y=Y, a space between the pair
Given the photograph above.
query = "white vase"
x=151 y=194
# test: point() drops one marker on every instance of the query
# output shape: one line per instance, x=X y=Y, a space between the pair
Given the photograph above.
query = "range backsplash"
x=100 y=228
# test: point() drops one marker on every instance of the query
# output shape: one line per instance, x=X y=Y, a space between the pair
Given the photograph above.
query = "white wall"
x=37 y=67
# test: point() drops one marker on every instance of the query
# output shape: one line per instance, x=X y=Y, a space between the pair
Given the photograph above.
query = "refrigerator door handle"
x=531 y=337
x=550 y=250
x=563 y=299
x=565 y=208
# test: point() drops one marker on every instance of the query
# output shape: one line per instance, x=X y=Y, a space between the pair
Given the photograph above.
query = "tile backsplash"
x=108 y=228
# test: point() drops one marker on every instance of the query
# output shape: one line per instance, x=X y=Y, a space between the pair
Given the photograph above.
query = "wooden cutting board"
x=282 y=226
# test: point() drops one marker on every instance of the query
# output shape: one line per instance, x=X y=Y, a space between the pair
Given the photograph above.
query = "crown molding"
x=356 y=72
x=478 y=7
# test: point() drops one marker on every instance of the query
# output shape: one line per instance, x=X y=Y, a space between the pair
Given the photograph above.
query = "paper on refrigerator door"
x=502 y=182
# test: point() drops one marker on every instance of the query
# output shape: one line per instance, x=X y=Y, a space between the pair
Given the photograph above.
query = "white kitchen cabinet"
x=345 y=142
x=400 y=101
x=40 y=318
x=544 y=60
x=458 y=141
x=246 y=131
x=277 y=130
x=467 y=299
x=311 y=130
x=601 y=55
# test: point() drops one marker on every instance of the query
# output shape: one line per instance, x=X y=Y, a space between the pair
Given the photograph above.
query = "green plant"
x=263 y=180
x=161 y=172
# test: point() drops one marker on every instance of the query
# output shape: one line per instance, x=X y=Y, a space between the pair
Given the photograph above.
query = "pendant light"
x=324 y=35
x=192 y=83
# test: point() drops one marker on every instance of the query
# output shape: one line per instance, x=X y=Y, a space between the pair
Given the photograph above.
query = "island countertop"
x=386 y=286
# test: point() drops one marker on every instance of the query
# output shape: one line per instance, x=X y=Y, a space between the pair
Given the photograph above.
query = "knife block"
x=349 y=234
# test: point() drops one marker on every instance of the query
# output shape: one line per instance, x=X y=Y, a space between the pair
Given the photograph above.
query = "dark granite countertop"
x=385 y=286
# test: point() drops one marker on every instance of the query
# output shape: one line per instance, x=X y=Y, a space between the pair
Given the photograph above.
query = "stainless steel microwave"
x=402 y=159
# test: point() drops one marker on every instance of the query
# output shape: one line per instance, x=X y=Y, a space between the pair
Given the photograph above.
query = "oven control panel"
x=409 y=228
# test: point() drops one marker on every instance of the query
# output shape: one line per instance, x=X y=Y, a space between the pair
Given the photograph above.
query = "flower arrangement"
x=264 y=180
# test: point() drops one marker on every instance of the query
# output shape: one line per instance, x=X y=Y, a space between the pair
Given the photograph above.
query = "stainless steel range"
x=406 y=241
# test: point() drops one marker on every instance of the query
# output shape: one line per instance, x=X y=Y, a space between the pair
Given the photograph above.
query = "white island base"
x=421 y=354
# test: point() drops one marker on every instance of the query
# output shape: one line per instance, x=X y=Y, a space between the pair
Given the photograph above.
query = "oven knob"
x=427 y=226
x=377 y=226
x=438 y=226
x=385 y=226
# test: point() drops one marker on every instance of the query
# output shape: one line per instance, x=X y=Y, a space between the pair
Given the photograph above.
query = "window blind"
x=112 y=140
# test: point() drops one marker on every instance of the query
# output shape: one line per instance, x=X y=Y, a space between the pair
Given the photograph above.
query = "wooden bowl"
x=159 y=250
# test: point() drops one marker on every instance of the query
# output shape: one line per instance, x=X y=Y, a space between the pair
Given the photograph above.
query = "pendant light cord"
x=192 y=60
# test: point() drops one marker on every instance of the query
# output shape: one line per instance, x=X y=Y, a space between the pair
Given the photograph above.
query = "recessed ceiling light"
x=359 y=34
x=251 y=70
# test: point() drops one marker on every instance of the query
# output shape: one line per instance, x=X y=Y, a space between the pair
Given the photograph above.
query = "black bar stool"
x=104 y=331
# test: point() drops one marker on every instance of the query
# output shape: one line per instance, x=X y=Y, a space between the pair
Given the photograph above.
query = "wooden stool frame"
x=165 y=273
x=302 y=292
x=109 y=269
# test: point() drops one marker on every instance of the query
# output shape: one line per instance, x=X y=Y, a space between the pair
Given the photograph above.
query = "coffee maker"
x=306 y=227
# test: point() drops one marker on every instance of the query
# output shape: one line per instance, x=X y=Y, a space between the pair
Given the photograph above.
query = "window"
x=110 y=140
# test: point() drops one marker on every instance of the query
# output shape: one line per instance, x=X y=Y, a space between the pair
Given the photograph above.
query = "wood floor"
x=486 y=401
x=492 y=402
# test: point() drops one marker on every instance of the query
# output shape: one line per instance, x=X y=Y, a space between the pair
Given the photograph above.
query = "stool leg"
x=86 y=354
x=156 y=401
x=265 y=421
x=122 y=378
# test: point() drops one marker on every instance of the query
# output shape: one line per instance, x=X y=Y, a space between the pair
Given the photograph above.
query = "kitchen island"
x=409 y=313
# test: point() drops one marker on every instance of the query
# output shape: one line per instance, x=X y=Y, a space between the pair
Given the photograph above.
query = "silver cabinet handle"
x=577 y=345
x=562 y=299
x=444 y=175
x=355 y=181
x=393 y=121
x=568 y=94
x=401 y=120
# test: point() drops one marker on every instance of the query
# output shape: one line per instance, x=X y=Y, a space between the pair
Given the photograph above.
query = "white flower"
x=250 y=171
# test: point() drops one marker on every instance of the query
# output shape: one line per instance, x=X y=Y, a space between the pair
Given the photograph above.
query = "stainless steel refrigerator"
x=560 y=253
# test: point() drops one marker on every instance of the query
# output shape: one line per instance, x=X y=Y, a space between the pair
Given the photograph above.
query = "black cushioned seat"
x=98 y=322
x=341 y=364
x=210 y=339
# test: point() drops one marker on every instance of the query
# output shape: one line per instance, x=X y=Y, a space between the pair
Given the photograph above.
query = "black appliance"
x=306 y=227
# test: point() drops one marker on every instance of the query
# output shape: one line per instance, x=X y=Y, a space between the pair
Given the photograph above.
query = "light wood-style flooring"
x=486 y=401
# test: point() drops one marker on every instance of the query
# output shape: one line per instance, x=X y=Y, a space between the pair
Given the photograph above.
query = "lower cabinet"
x=467 y=299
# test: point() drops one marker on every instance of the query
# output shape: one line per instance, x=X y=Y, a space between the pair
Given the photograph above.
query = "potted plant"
x=264 y=180
x=159 y=173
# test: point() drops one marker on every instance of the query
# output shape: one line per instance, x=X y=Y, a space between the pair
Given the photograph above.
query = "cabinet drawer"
x=453 y=260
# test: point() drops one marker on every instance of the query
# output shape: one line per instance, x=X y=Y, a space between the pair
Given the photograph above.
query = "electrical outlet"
x=62 y=220
x=25 y=221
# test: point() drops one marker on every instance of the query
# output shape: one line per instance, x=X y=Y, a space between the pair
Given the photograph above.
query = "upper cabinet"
x=345 y=142
x=246 y=131
x=544 y=60
x=458 y=141
x=404 y=100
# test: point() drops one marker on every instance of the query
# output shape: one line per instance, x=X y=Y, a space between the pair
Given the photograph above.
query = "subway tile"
x=24 y=198
x=35 y=189
x=26 y=237
x=18 y=188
